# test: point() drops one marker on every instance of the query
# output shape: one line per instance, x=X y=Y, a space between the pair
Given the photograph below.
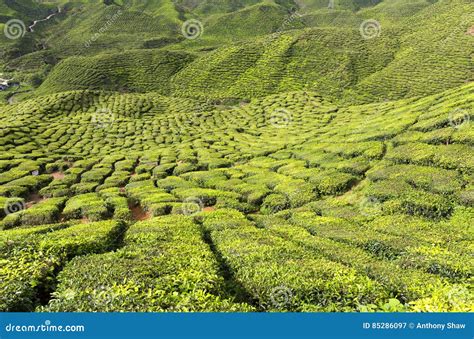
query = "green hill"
x=370 y=187
x=420 y=55
x=212 y=156
x=137 y=71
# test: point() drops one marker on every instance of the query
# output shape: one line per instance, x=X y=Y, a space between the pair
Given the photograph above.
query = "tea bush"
x=45 y=212
x=27 y=275
x=90 y=206
x=183 y=277
x=333 y=207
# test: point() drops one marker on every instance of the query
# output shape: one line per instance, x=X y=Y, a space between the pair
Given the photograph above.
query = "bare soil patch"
x=57 y=175
x=138 y=213
x=33 y=199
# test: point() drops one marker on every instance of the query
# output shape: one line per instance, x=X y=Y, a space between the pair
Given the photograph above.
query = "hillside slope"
x=276 y=155
x=425 y=53
x=137 y=71
x=377 y=194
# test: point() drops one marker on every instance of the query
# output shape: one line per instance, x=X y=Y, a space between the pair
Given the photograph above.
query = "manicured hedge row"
x=433 y=179
x=207 y=196
x=13 y=174
x=402 y=240
x=82 y=239
x=89 y=205
x=401 y=197
x=10 y=205
x=19 y=238
x=164 y=266
x=45 y=212
x=10 y=191
x=27 y=276
x=379 y=244
x=375 y=198
x=32 y=182
x=422 y=204
x=404 y=281
x=280 y=275
x=155 y=200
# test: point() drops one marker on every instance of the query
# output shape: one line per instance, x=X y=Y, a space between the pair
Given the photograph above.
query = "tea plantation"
x=306 y=170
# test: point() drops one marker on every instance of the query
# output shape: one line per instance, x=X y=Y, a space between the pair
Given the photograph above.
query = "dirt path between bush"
x=138 y=213
x=33 y=199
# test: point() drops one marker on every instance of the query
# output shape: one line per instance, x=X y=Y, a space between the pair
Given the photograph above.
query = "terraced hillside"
x=251 y=48
x=279 y=161
x=286 y=203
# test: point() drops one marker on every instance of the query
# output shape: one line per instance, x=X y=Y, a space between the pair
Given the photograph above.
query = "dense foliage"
x=280 y=162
